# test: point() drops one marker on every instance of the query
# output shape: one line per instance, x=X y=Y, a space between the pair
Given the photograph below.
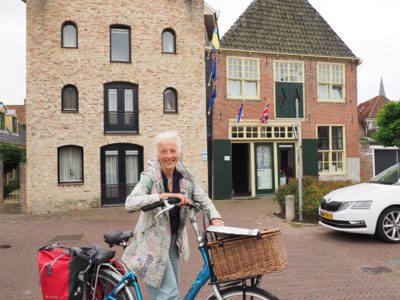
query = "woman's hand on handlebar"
x=184 y=200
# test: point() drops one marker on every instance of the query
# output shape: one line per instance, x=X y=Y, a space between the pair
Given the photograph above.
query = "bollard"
x=289 y=208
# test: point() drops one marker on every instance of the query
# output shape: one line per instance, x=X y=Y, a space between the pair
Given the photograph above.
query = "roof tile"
x=284 y=26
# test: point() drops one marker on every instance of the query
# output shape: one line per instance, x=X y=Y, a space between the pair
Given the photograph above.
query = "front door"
x=264 y=168
x=241 y=170
x=121 y=165
x=286 y=163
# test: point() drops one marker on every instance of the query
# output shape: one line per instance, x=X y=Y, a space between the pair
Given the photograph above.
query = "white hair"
x=168 y=136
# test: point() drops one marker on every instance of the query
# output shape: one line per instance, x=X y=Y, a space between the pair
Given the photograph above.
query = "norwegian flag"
x=264 y=115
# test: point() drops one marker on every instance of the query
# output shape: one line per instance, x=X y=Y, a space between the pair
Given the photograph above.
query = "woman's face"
x=168 y=155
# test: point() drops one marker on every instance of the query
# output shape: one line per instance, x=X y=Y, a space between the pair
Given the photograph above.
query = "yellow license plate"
x=326 y=215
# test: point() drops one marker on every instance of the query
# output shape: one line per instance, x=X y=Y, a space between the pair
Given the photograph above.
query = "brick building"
x=374 y=157
x=103 y=78
x=275 y=53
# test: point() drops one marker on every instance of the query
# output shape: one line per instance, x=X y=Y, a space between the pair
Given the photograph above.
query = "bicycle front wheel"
x=106 y=282
x=253 y=293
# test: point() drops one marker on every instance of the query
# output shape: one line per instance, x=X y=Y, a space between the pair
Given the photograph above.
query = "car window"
x=389 y=176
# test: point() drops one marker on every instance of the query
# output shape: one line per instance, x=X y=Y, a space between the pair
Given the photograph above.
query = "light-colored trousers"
x=169 y=289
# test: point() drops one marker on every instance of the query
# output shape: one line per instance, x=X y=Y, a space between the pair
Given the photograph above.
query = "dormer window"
x=69 y=35
x=14 y=125
x=2 y=121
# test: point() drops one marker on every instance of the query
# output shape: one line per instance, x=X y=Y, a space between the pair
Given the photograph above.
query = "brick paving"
x=323 y=264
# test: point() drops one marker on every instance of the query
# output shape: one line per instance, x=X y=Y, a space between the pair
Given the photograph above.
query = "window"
x=170 y=101
x=70 y=164
x=120 y=44
x=121 y=107
x=288 y=71
x=289 y=78
x=14 y=125
x=69 y=98
x=168 y=41
x=330 y=149
x=330 y=82
x=69 y=35
x=243 y=78
x=2 y=121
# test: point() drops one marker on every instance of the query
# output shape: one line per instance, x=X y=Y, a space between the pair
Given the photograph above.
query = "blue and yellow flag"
x=215 y=40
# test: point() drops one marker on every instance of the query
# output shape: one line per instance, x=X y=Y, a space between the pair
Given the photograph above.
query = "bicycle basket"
x=239 y=257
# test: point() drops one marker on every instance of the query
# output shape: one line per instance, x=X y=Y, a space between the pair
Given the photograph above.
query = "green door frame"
x=264 y=191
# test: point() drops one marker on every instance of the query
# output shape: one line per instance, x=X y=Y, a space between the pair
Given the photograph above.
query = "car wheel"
x=388 y=226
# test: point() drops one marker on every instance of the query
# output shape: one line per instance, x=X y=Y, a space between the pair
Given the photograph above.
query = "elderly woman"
x=154 y=253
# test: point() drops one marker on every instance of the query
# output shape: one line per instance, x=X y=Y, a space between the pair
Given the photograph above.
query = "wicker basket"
x=240 y=257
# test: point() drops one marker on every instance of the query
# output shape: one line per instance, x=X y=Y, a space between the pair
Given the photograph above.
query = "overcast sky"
x=369 y=27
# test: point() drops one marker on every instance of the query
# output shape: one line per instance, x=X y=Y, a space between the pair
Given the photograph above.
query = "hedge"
x=313 y=191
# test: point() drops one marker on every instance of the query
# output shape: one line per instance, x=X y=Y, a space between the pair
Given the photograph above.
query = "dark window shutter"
x=285 y=99
x=310 y=157
x=222 y=159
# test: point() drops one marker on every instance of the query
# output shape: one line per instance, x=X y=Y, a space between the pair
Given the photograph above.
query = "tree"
x=12 y=156
x=388 y=121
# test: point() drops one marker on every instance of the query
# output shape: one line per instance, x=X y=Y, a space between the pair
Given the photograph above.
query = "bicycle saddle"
x=95 y=253
x=117 y=237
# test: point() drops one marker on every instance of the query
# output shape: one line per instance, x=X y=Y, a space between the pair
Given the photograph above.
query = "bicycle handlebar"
x=160 y=204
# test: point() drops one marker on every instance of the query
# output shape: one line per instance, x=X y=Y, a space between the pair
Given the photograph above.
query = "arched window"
x=168 y=41
x=120 y=43
x=69 y=98
x=70 y=164
x=170 y=100
x=69 y=35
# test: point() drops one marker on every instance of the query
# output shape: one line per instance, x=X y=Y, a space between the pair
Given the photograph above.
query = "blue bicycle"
x=107 y=278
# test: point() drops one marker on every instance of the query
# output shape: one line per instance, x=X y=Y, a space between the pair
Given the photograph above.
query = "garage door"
x=385 y=159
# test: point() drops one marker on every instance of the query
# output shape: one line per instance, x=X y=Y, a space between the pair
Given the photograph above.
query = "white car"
x=367 y=208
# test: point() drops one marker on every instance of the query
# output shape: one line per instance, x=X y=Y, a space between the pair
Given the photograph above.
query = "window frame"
x=289 y=82
x=330 y=151
x=63 y=109
x=2 y=121
x=176 y=101
x=62 y=34
x=172 y=31
x=59 y=149
x=290 y=63
x=14 y=125
x=243 y=79
x=330 y=84
x=121 y=86
x=126 y=27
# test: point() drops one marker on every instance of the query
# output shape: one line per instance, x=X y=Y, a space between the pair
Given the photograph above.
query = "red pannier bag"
x=59 y=268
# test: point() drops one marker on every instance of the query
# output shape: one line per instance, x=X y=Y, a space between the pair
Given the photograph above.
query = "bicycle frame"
x=130 y=277
x=203 y=276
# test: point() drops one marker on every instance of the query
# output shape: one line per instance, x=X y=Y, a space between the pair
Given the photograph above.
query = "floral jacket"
x=147 y=254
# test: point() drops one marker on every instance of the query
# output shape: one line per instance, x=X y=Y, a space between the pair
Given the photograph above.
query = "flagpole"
x=299 y=163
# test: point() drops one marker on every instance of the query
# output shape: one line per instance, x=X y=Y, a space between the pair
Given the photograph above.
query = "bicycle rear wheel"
x=252 y=293
x=106 y=282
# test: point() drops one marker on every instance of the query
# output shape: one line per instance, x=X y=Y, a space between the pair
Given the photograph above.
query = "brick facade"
x=50 y=67
x=315 y=113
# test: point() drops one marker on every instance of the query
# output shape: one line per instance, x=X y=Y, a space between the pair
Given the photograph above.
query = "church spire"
x=382 y=89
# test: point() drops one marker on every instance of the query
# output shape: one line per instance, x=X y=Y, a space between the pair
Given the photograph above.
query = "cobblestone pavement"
x=323 y=264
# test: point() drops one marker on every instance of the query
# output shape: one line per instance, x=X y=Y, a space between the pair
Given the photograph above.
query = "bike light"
x=361 y=205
